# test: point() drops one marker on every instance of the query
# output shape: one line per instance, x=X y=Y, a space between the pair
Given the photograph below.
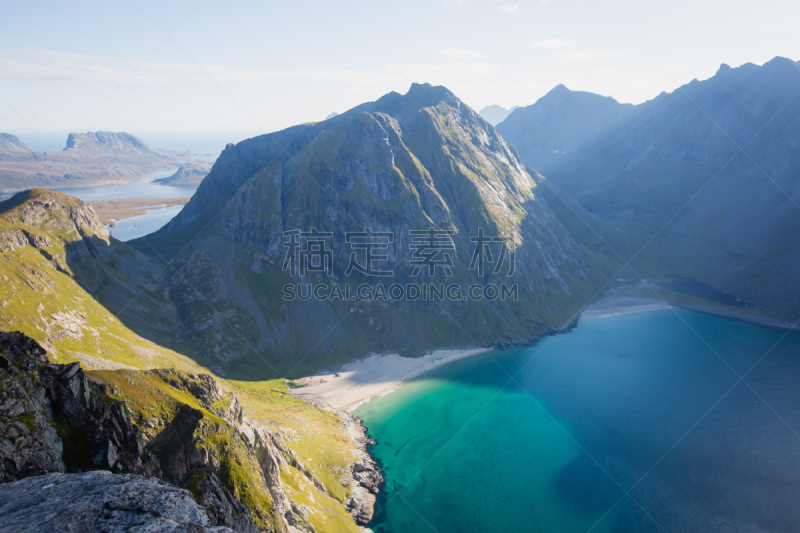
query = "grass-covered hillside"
x=52 y=249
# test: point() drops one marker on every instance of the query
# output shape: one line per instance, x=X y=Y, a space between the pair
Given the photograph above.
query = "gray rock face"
x=29 y=445
x=405 y=163
x=99 y=502
x=366 y=479
x=220 y=505
x=36 y=398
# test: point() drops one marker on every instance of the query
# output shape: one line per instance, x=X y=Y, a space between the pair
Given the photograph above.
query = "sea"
x=152 y=219
x=665 y=420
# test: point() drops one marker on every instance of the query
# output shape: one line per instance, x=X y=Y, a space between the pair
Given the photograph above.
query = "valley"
x=403 y=318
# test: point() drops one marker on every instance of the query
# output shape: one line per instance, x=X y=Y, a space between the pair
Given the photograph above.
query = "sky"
x=224 y=71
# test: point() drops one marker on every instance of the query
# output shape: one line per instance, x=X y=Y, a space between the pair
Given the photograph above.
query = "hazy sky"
x=259 y=66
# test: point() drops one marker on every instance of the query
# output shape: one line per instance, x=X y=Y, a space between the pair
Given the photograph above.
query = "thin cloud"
x=553 y=43
x=580 y=56
x=508 y=8
x=461 y=54
x=43 y=65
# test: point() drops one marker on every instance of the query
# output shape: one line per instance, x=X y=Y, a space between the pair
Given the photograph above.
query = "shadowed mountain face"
x=711 y=170
x=422 y=161
x=549 y=131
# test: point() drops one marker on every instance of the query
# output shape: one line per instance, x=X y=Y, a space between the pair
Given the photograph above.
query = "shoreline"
x=357 y=382
x=360 y=380
x=619 y=305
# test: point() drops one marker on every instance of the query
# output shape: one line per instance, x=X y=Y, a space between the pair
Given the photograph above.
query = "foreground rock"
x=99 y=502
x=166 y=424
x=50 y=414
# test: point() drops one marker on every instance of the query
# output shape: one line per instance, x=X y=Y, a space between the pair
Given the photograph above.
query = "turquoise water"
x=630 y=423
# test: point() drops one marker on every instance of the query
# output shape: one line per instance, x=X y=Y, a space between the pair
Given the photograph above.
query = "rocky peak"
x=52 y=211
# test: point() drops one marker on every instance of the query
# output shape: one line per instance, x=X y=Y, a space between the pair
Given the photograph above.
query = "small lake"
x=629 y=423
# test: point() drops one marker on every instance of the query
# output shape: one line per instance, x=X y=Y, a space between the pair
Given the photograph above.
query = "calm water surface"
x=630 y=423
x=152 y=219
x=141 y=188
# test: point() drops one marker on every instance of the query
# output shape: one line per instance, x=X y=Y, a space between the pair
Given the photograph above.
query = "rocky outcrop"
x=366 y=478
x=53 y=419
x=100 y=502
x=11 y=240
x=193 y=463
x=96 y=429
x=218 y=502
x=29 y=445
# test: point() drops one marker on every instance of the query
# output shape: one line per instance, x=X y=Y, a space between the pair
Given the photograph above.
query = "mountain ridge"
x=401 y=163
x=707 y=171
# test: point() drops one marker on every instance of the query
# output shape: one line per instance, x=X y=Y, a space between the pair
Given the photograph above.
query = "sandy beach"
x=617 y=305
x=360 y=380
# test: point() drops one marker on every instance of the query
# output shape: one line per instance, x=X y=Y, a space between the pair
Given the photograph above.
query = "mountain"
x=11 y=143
x=93 y=158
x=709 y=173
x=108 y=141
x=413 y=162
x=559 y=123
x=80 y=390
x=187 y=174
x=494 y=114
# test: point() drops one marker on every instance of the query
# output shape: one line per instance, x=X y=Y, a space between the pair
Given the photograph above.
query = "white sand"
x=363 y=379
x=618 y=305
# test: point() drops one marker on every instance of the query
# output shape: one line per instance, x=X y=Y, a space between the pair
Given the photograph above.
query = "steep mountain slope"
x=290 y=464
x=715 y=164
x=11 y=143
x=404 y=163
x=553 y=128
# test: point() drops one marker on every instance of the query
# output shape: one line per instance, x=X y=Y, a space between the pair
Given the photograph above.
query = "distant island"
x=89 y=159
x=187 y=174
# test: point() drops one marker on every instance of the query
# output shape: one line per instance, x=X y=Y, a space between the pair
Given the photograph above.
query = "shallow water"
x=630 y=423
